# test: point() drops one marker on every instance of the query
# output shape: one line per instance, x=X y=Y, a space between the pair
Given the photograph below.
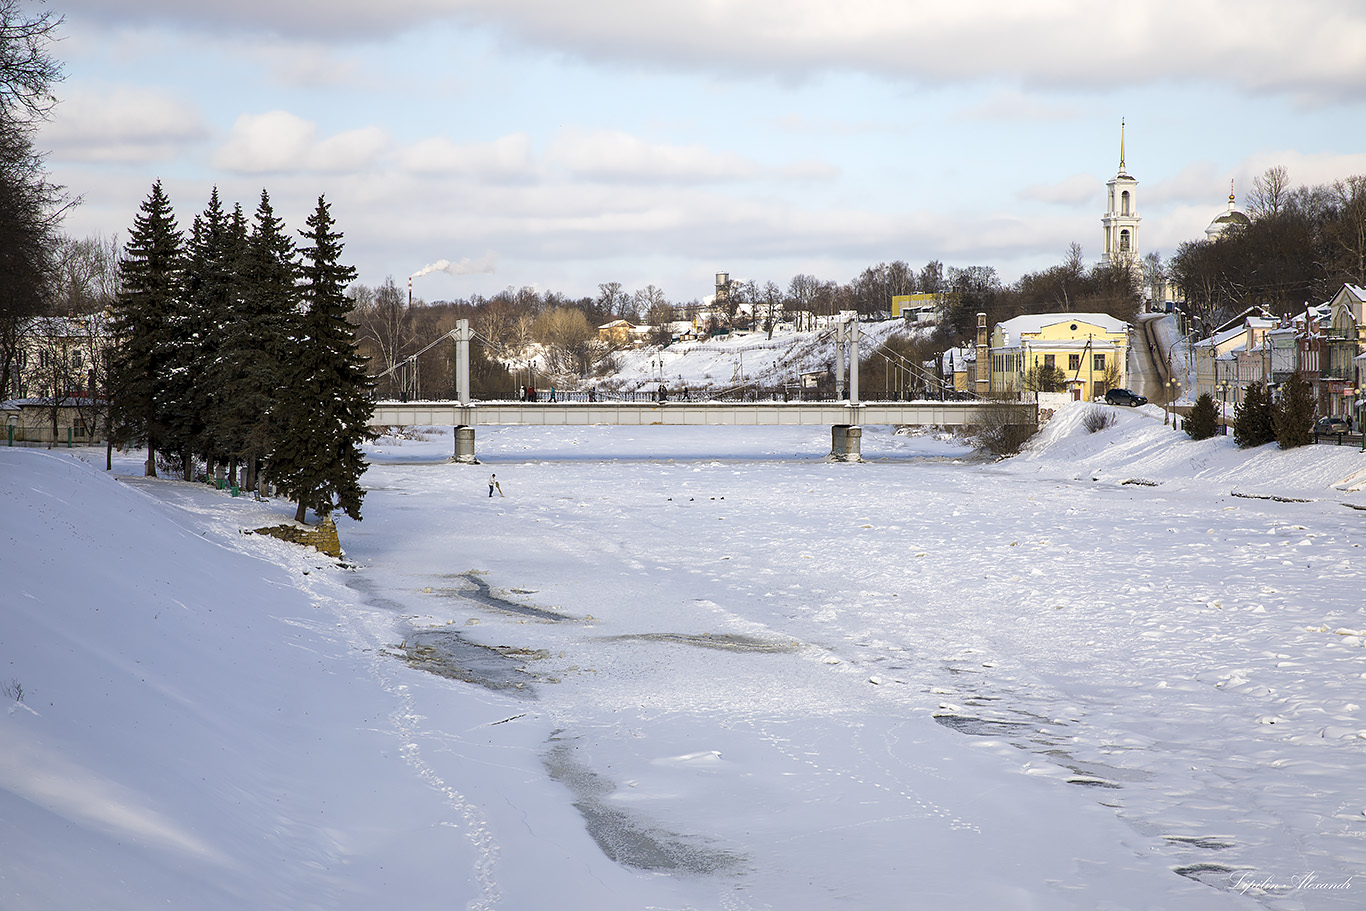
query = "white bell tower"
x=1120 y=223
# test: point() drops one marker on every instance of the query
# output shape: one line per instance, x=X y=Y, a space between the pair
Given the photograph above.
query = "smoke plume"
x=486 y=264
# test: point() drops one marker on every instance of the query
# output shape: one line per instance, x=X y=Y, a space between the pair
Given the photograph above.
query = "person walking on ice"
x=493 y=484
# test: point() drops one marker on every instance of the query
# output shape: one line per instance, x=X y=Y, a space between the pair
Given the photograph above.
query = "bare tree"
x=612 y=299
x=649 y=299
x=86 y=274
x=565 y=333
x=384 y=328
x=773 y=301
x=802 y=291
x=1270 y=192
x=30 y=205
x=932 y=277
x=1348 y=231
x=1075 y=263
x=1154 y=273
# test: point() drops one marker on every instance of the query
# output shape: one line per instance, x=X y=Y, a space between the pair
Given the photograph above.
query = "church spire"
x=1230 y=195
x=1121 y=145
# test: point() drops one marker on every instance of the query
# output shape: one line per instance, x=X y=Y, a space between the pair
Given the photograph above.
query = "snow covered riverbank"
x=696 y=668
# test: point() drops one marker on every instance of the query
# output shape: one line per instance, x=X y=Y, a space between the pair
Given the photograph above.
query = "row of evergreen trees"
x=232 y=346
x=1259 y=419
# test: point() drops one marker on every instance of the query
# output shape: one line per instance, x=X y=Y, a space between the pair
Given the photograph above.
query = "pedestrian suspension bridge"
x=845 y=416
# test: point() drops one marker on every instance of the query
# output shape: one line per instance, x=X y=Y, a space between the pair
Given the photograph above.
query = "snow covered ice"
x=695 y=668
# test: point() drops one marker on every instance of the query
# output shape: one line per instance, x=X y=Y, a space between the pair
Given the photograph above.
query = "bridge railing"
x=738 y=395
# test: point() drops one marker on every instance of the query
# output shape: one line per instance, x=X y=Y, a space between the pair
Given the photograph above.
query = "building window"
x=1124 y=241
x=1124 y=207
x=76 y=358
x=1098 y=361
x=1074 y=362
x=1049 y=361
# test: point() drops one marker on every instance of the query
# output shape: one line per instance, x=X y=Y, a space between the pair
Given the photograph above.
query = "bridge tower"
x=464 y=433
x=846 y=440
x=846 y=335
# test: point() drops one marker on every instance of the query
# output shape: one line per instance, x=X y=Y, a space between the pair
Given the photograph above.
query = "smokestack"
x=410 y=291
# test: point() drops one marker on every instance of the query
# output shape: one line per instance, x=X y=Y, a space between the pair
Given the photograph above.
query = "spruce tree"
x=255 y=347
x=1253 y=422
x=228 y=424
x=151 y=277
x=316 y=459
x=193 y=327
x=1294 y=417
x=213 y=255
x=1203 y=421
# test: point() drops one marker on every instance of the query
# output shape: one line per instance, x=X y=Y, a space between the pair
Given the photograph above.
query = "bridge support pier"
x=464 y=446
x=846 y=443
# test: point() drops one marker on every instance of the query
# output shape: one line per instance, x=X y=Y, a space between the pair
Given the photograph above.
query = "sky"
x=516 y=143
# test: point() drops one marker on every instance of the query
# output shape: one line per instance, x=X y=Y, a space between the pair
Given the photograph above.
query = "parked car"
x=1330 y=425
x=1124 y=397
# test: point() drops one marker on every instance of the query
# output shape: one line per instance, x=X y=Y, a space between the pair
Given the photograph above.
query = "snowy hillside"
x=694 y=668
x=744 y=357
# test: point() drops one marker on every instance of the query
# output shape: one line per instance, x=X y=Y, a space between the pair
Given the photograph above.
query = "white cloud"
x=612 y=155
x=121 y=124
x=803 y=123
x=1304 y=168
x=1311 y=46
x=1018 y=106
x=506 y=158
x=809 y=170
x=280 y=142
x=311 y=65
x=1075 y=190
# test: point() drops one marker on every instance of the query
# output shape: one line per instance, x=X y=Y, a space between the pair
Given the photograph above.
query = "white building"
x=1225 y=220
x=1120 y=222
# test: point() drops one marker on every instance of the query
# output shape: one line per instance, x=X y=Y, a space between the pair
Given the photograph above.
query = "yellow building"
x=1089 y=349
x=617 y=332
x=923 y=306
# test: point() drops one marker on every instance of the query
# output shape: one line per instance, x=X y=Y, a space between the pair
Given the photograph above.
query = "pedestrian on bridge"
x=494 y=485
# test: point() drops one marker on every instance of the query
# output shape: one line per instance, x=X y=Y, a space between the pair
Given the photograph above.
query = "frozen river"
x=694 y=669
x=765 y=681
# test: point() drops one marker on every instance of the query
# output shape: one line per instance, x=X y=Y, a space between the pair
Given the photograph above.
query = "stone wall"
x=321 y=537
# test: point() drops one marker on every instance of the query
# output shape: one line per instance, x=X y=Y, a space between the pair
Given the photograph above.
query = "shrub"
x=1041 y=378
x=1203 y=421
x=1097 y=419
x=1254 y=421
x=997 y=435
x=1294 y=417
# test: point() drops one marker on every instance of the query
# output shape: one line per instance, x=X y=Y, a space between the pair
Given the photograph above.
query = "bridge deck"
x=942 y=414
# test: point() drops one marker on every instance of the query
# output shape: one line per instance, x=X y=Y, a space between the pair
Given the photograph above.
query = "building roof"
x=1227 y=219
x=1032 y=323
x=1352 y=290
x=1218 y=339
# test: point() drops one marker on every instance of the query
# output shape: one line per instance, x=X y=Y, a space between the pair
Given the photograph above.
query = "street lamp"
x=1223 y=403
x=1173 y=390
